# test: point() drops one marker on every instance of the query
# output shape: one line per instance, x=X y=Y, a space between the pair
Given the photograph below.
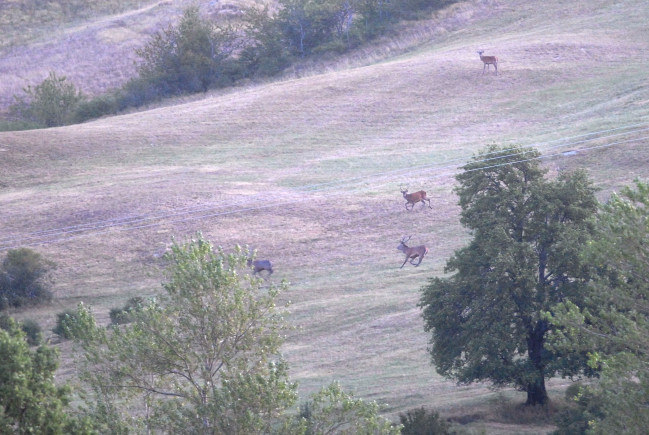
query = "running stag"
x=412 y=253
x=414 y=198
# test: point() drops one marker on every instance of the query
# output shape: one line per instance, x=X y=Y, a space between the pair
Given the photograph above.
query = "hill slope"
x=93 y=47
x=307 y=171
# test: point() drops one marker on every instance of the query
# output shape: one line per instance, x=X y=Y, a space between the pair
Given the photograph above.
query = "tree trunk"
x=536 y=393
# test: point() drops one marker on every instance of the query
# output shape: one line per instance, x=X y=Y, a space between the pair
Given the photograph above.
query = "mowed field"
x=307 y=172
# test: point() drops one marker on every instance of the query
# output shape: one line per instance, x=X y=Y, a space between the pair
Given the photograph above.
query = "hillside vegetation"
x=307 y=171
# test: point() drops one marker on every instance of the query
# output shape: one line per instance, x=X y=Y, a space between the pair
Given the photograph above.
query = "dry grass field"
x=307 y=171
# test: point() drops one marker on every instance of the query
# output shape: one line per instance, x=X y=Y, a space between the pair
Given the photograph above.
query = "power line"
x=192 y=213
x=202 y=210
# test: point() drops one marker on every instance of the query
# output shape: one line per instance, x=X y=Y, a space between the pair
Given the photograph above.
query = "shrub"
x=190 y=57
x=120 y=316
x=422 y=422
x=32 y=330
x=51 y=103
x=17 y=125
x=584 y=405
x=24 y=279
x=61 y=329
x=95 y=108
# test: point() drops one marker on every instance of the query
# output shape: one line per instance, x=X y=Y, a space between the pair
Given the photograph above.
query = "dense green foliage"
x=33 y=331
x=333 y=411
x=584 y=407
x=119 y=316
x=30 y=402
x=193 y=56
x=422 y=422
x=196 y=55
x=51 y=103
x=486 y=318
x=24 y=279
x=62 y=319
x=204 y=358
x=613 y=326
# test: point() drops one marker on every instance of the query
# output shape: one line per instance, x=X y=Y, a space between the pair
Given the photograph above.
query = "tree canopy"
x=51 y=103
x=203 y=358
x=486 y=318
x=30 y=402
x=613 y=323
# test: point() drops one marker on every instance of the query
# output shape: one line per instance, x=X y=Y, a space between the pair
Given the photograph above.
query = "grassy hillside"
x=307 y=171
x=91 y=43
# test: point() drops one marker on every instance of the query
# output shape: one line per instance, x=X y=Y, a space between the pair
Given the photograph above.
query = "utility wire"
x=195 y=213
x=307 y=188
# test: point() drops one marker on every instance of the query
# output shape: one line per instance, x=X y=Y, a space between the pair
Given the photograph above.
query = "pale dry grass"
x=96 y=55
x=307 y=172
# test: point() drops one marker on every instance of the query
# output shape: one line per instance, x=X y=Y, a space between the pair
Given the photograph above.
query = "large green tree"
x=527 y=233
x=30 y=402
x=203 y=359
x=190 y=57
x=614 y=325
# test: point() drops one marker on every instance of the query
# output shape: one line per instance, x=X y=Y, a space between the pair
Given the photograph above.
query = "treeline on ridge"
x=196 y=55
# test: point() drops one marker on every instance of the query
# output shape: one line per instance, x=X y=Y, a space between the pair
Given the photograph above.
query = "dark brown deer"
x=488 y=60
x=412 y=252
x=259 y=266
x=414 y=198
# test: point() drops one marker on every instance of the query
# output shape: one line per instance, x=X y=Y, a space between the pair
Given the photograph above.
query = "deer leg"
x=413 y=259
x=404 y=263
x=429 y=203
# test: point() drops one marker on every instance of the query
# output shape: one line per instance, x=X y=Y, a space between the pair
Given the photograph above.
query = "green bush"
x=583 y=406
x=422 y=422
x=120 y=316
x=190 y=57
x=24 y=279
x=17 y=125
x=51 y=103
x=95 y=108
x=32 y=329
x=61 y=328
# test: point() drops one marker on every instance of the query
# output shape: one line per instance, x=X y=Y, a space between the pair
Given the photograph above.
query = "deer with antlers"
x=414 y=198
x=488 y=60
x=412 y=252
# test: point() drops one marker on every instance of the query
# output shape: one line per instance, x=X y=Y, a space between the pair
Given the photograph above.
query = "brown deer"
x=414 y=198
x=260 y=265
x=488 y=60
x=412 y=252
